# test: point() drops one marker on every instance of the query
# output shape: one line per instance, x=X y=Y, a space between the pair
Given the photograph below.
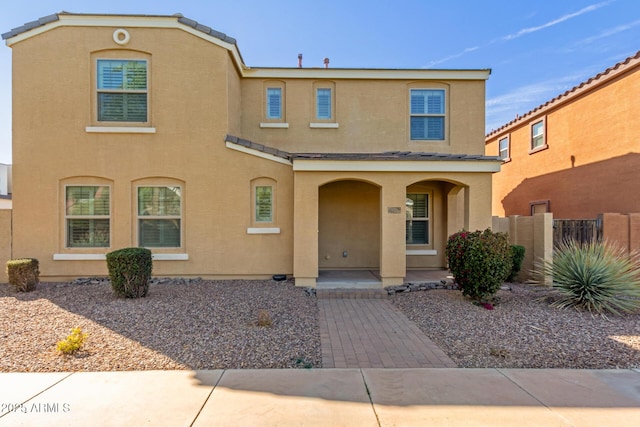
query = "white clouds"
x=523 y=31
x=610 y=32
x=557 y=21
x=450 y=57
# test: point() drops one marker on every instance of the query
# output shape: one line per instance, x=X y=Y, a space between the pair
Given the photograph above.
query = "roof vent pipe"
x=299 y=60
x=326 y=62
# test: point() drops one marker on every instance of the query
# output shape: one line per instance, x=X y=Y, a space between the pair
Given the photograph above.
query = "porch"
x=370 y=279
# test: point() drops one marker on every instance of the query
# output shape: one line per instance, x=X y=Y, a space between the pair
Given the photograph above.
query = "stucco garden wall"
x=535 y=233
x=5 y=242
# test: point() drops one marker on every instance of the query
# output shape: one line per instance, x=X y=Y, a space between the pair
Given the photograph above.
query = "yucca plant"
x=598 y=277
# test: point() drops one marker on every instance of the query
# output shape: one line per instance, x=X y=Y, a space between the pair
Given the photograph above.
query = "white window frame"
x=140 y=218
x=504 y=152
x=427 y=219
x=427 y=114
x=327 y=94
x=68 y=217
x=270 y=94
x=122 y=91
x=539 y=138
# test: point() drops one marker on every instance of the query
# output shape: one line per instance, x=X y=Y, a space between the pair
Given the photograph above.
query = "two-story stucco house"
x=576 y=155
x=152 y=131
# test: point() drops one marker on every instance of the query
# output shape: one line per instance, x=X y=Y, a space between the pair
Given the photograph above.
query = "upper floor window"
x=427 y=114
x=323 y=103
x=159 y=216
x=537 y=135
x=503 y=148
x=274 y=103
x=87 y=216
x=122 y=90
x=417 y=206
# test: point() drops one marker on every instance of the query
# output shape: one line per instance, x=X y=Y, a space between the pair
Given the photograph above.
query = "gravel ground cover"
x=522 y=331
x=212 y=325
x=179 y=325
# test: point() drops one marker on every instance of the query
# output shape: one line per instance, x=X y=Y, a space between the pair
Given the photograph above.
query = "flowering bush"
x=480 y=261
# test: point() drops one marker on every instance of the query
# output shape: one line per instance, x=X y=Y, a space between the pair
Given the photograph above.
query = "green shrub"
x=73 y=342
x=480 y=261
x=598 y=277
x=517 y=256
x=23 y=273
x=130 y=271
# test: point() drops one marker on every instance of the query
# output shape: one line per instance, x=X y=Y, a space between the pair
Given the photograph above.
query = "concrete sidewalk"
x=324 y=397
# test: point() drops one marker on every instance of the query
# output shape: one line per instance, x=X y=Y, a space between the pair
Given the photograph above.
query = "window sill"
x=103 y=257
x=541 y=148
x=507 y=160
x=119 y=129
x=274 y=125
x=324 y=125
x=79 y=257
x=422 y=252
x=258 y=230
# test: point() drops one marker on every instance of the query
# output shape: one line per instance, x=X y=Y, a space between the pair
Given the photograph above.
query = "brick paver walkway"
x=372 y=333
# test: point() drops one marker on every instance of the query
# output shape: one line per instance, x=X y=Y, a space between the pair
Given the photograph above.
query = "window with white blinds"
x=122 y=90
x=159 y=216
x=87 y=216
x=427 y=114
x=417 y=208
x=323 y=103
x=274 y=103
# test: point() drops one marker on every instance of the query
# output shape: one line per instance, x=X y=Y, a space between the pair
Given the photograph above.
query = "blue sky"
x=536 y=49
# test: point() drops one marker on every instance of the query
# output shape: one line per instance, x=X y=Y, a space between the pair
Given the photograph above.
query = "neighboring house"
x=151 y=131
x=5 y=186
x=577 y=155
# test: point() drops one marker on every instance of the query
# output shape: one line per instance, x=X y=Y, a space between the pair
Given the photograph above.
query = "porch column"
x=305 y=230
x=393 y=259
x=478 y=203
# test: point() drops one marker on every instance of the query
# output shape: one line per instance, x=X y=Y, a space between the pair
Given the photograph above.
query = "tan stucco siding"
x=372 y=115
x=393 y=259
x=349 y=225
x=198 y=92
x=5 y=242
x=189 y=110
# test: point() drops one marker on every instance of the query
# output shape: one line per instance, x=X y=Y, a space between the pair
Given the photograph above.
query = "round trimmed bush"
x=130 y=271
x=23 y=273
x=480 y=261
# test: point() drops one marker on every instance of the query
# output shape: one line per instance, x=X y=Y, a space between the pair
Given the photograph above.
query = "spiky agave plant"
x=599 y=277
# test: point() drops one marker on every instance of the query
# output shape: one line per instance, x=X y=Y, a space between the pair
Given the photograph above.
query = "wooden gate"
x=580 y=230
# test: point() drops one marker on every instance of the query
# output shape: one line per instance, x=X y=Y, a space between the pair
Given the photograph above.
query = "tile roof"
x=586 y=86
x=31 y=25
x=180 y=18
x=387 y=155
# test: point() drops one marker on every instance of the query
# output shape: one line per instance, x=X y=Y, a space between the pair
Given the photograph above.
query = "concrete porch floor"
x=368 y=279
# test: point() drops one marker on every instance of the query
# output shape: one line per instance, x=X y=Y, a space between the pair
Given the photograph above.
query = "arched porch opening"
x=349 y=225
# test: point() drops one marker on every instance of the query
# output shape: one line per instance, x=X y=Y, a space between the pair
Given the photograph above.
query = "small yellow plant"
x=73 y=342
x=264 y=319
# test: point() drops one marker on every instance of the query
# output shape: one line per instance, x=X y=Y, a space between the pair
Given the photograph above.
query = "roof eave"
x=65 y=19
